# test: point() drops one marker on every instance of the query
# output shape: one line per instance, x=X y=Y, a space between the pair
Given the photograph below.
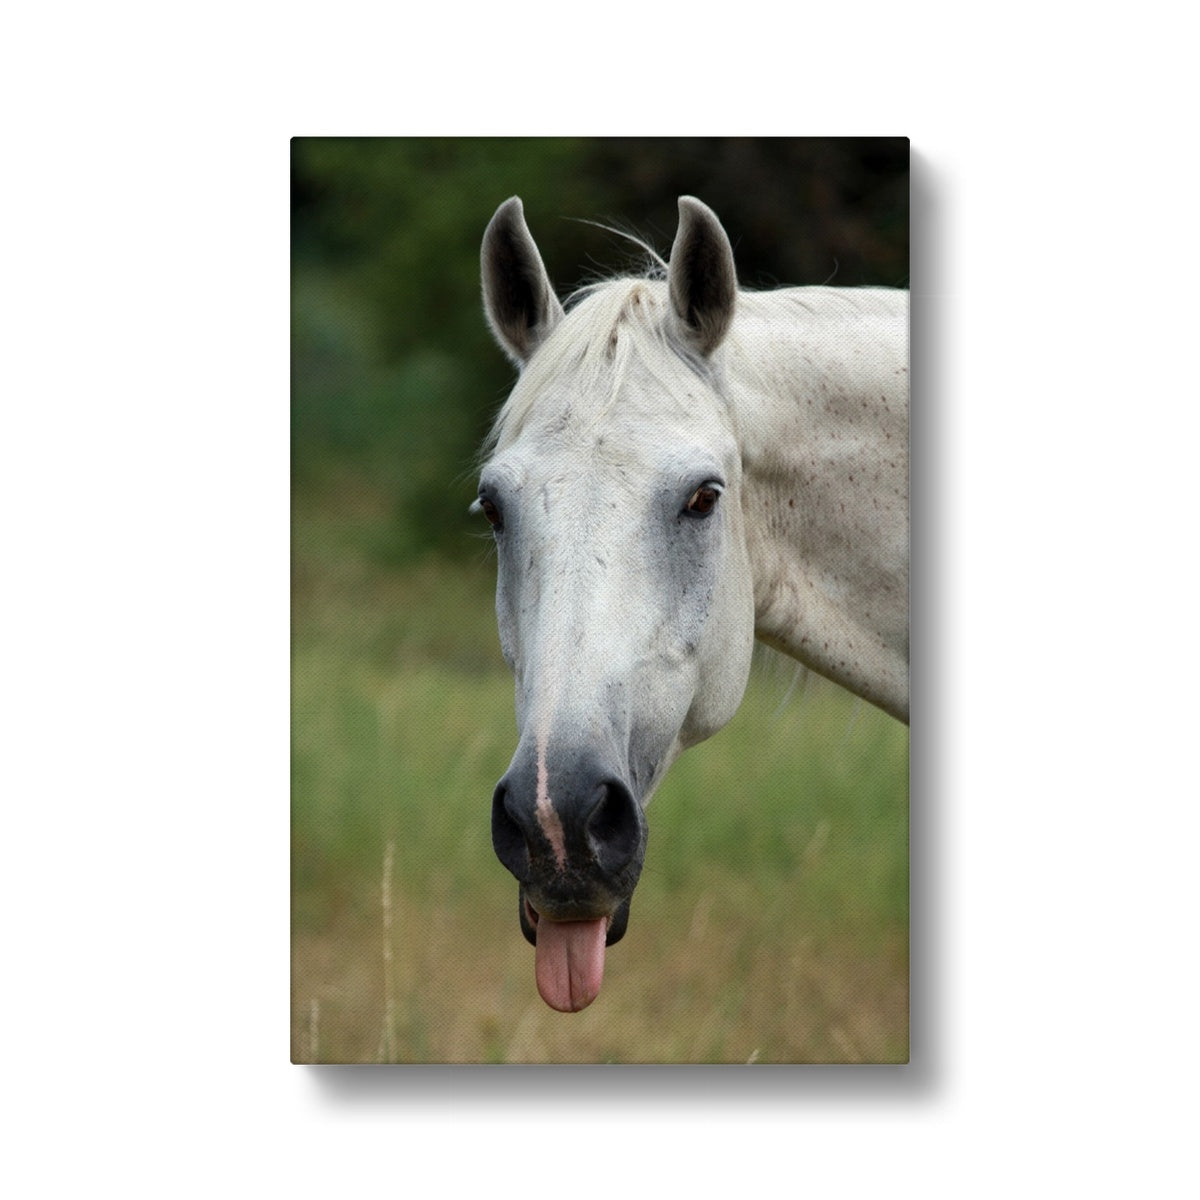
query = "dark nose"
x=603 y=830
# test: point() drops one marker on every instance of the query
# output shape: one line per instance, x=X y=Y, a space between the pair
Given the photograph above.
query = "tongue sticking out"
x=569 y=960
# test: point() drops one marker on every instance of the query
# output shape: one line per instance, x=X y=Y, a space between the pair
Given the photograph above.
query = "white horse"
x=680 y=468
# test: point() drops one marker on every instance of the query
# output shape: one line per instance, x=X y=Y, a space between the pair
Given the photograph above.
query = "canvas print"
x=600 y=600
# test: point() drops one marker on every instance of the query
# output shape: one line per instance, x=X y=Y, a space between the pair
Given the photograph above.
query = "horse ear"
x=518 y=297
x=701 y=277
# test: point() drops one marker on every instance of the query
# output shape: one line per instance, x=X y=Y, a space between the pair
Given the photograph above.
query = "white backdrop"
x=145 y=505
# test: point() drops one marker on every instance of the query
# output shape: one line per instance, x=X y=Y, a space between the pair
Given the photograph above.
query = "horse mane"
x=608 y=326
x=656 y=265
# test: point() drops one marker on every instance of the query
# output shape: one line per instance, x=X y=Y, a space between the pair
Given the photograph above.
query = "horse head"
x=624 y=597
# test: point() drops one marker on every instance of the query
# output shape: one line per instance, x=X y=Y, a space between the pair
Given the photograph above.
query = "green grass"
x=771 y=922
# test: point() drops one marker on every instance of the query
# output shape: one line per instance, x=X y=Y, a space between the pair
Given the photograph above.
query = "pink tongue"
x=569 y=959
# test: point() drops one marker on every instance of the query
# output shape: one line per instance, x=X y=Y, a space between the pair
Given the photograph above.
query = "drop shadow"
x=921 y=1080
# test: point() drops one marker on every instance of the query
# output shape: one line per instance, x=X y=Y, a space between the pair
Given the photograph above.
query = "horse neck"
x=823 y=426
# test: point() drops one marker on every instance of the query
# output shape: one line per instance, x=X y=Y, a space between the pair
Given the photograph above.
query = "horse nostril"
x=614 y=830
x=508 y=840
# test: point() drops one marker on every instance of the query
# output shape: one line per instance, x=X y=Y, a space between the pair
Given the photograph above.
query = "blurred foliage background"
x=771 y=922
x=395 y=377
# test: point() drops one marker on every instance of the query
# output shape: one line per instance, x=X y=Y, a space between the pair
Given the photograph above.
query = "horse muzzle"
x=576 y=848
x=575 y=839
x=616 y=922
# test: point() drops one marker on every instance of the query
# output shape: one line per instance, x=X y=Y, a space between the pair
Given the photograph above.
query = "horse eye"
x=491 y=512
x=702 y=501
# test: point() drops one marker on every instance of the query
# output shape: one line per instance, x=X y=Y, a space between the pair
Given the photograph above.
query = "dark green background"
x=395 y=377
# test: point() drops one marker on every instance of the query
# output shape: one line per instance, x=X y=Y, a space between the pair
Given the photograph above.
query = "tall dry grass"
x=771 y=922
